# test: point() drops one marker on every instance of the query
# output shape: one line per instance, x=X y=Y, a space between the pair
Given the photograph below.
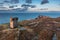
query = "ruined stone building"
x=13 y=22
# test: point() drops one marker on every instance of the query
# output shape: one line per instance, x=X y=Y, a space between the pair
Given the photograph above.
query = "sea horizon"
x=5 y=17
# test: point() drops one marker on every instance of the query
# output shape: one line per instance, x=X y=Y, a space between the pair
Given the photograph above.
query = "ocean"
x=5 y=17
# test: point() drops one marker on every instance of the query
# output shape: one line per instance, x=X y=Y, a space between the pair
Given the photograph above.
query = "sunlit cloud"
x=44 y=9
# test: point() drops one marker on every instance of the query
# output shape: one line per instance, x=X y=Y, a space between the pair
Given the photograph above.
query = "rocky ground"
x=44 y=26
x=40 y=28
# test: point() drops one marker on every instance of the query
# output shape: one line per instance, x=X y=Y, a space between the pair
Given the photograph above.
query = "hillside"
x=40 y=28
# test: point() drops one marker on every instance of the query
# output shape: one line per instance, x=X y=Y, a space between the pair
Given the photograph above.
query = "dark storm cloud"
x=7 y=1
x=44 y=1
x=44 y=9
x=14 y=1
x=24 y=5
x=28 y=1
x=1 y=4
x=33 y=6
x=11 y=6
x=11 y=1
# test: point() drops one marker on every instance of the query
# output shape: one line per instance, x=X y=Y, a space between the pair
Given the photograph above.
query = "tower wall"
x=13 y=22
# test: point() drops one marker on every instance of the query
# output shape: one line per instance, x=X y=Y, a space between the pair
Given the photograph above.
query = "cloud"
x=44 y=9
x=24 y=5
x=1 y=4
x=13 y=6
x=7 y=1
x=44 y=2
x=3 y=8
x=28 y=1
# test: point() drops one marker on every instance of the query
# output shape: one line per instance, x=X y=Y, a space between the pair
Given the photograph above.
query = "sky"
x=53 y=5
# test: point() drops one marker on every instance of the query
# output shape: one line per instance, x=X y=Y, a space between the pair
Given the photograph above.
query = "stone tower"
x=13 y=22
